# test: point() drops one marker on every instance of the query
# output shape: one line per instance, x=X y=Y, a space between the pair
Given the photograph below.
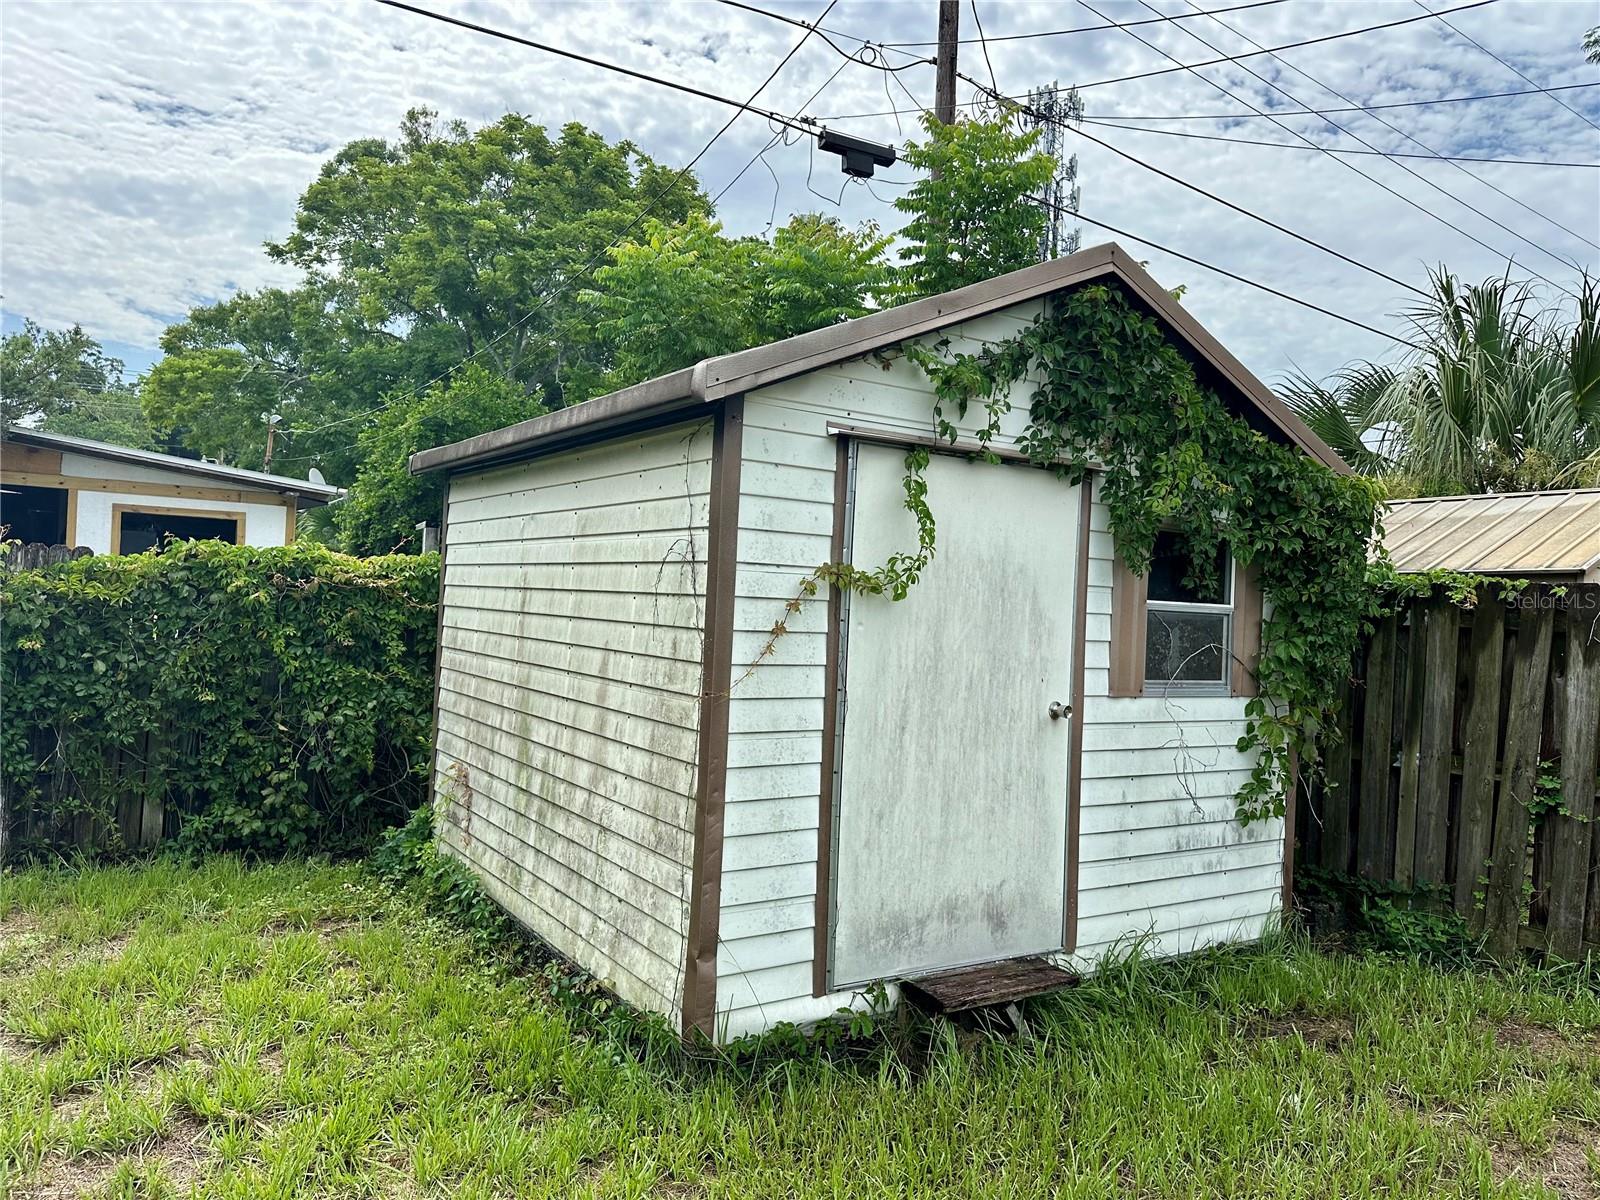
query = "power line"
x=1212 y=196
x=1332 y=158
x=1438 y=16
x=1044 y=33
x=1234 y=58
x=671 y=185
x=1237 y=278
x=822 y=32
x=1271 y=115
x=1386 y=123
x=489 y=31
x=977 y=21
x=1217 y=137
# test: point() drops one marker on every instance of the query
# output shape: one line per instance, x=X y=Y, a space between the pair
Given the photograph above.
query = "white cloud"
x=150 y=149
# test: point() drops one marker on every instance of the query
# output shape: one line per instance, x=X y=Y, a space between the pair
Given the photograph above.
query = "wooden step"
x=987 y=985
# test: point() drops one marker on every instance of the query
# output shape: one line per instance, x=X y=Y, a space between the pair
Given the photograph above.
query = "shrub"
x=277 y=700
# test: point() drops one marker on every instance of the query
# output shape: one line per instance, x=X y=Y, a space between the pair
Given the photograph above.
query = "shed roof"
x=1544 y=534
x=731 y=374
x=306 y=492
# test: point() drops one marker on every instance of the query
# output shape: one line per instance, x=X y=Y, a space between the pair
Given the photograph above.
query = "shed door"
x=950 y=836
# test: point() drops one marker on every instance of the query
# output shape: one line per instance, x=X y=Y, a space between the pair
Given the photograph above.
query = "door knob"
x=1059 y=710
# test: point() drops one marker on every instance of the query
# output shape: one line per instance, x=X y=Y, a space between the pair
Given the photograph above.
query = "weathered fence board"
x=1451 y=719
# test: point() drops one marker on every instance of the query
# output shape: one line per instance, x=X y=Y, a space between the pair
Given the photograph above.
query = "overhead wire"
x=984 y=43
x=1550 y=92
x=1386 y=123
x=1232 y=95
x=671 y=185
x=1219 y=137
x=1269 y=115
x=821 y=32
x=1234 y=58
x=1198 y=190
x=1223 y=271
x=1045 y=33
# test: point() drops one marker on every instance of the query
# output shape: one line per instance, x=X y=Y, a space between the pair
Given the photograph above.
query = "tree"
x=48 y=373
x=1503 y=395
x=382 y=510
x=472 y=243
x=1591 y=45
x=686 y=292
x=971 y=216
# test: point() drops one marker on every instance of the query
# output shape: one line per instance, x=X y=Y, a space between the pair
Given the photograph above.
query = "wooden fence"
x=1468 y=766
x=25 y=556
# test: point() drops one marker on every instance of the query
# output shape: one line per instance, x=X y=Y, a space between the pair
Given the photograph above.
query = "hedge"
x=265 y=700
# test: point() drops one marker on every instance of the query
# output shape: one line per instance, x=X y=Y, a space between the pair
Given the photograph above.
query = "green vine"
x=1115 y=393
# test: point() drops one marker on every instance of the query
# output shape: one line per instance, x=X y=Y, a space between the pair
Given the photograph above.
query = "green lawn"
x=293 y=1030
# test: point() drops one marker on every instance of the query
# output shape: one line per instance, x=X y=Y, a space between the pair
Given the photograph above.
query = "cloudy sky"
x=150 y=148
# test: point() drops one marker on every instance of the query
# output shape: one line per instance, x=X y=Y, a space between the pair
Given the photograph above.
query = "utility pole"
x=944 y=88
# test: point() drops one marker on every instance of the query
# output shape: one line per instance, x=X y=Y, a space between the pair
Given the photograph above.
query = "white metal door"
x=951 y=796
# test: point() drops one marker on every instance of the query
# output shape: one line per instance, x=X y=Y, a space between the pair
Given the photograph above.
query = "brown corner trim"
x=830 y=731
x=711 y=780
x=438 y=639
x=1080 y=643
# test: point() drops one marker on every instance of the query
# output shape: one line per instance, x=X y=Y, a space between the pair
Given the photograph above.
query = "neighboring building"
x=1549 y=537
x=999 y=767
x=115 y=500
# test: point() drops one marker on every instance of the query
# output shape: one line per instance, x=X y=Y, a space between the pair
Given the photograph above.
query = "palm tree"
x=1501 y=396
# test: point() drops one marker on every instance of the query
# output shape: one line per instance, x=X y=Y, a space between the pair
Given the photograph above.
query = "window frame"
x=1223 y=685
x=237 y=516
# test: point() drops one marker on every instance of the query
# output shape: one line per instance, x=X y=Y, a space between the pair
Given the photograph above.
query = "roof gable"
x=733 y=374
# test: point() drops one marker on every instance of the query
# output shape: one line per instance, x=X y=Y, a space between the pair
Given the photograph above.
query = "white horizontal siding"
x=1161 y=856
x=569 y=685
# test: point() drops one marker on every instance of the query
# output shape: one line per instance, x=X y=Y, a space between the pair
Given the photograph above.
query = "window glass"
x=1169 y=565
x=1188 y=628
x=1186 y=646
x=149 y=531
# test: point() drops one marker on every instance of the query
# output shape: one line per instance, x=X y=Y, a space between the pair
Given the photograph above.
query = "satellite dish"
x=315 y=476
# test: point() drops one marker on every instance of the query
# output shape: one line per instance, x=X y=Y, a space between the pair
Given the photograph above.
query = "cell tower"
x=1049 y=109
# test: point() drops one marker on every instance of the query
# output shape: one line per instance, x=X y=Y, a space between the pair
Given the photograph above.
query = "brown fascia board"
x=735 y=374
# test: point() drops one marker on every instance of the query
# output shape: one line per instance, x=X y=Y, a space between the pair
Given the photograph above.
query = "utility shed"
x=1553 y=537
x=1021 y=760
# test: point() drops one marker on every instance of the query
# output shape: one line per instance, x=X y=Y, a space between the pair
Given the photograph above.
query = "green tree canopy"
x=49 y=374
x=685 y=292
x=382 y=510
x=971 y=217
x=1503 y=396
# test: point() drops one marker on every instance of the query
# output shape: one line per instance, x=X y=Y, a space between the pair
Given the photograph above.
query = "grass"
x=295 y=1030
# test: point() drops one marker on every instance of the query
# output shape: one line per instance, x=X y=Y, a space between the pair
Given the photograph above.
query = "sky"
x=147 y=150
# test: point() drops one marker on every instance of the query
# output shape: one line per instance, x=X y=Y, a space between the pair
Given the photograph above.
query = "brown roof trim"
x=739 y=373
x=306 y=493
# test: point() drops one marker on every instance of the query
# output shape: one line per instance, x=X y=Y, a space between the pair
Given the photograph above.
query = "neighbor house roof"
x=1543 y=534
x=306 y=492
x=731 y=374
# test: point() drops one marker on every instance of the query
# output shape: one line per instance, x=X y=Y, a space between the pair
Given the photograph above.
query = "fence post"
x=1480 y=735
x=1524 y=725
x=1571 y=835
x=1372 y=828
x=1405 y=812
x=1336 y=798
x=1441 y=628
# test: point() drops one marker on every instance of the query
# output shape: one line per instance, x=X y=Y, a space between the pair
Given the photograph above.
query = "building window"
x=1188 y=625
x=135 y=530
x=33 y=514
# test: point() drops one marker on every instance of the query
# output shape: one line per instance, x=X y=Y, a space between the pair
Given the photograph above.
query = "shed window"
x=1188 y=622
x=135 y=530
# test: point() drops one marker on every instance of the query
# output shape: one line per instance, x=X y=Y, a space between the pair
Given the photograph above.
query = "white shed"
x=992 y=770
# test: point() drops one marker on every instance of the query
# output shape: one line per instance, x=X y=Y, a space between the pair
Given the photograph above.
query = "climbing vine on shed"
x=1115 y=392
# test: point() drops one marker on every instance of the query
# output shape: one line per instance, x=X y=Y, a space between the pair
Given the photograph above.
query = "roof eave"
x=745 y=370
